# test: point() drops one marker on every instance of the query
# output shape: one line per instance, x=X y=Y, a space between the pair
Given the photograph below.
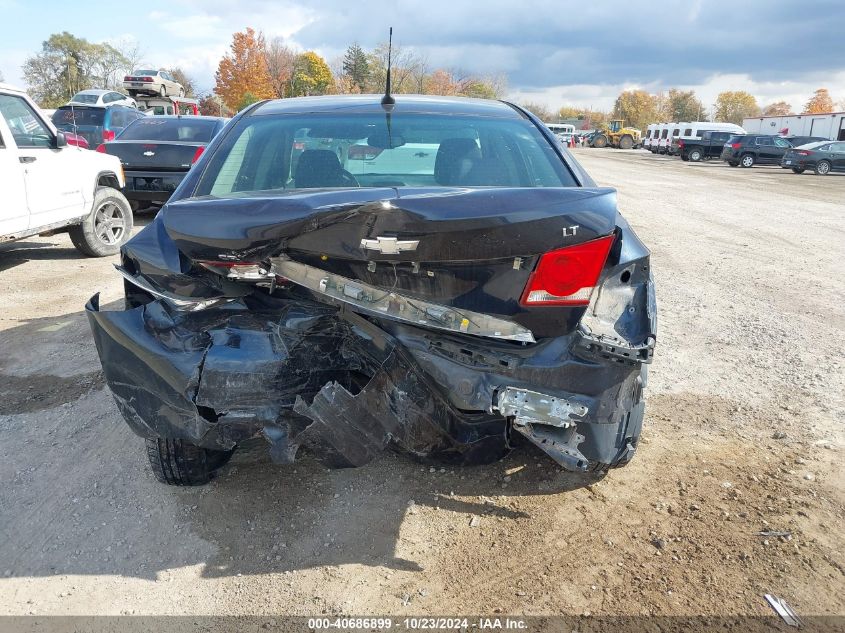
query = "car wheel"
x=179 y=463
x=162 y=92
x=747 y=160
x=684 y=158
x=822 y=168
x=695 y=155
x=106 y=228
x=797 y=170
x=181 y=92
x=733 y=164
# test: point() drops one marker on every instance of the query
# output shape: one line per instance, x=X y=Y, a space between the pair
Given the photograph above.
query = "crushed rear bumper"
x=306 y=374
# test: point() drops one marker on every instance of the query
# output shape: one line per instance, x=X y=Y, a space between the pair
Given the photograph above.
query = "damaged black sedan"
x=339 y=275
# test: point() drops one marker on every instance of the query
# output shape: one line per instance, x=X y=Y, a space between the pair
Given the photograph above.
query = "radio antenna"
x=387 y=100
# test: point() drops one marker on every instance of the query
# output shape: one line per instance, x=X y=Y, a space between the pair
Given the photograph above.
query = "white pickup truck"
x=50 y=186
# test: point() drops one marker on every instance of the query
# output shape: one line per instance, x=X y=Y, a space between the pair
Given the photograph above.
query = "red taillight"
x=736 y=145
x=680 y=143
x=101 y=148
x=108 y=135
x=363 y=152
x=127 y=78
x=802 y=152
x=197 y=154
x=568 y=275
x=146 y=78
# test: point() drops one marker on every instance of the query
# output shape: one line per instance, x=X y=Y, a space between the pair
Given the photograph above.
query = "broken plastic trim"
x=385 y=303
x=531 y=407
x=559 y=444
x=175 y=301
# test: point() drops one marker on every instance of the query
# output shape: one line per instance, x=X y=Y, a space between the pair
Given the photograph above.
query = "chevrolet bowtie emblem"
x=389 y=245
x=148 y=153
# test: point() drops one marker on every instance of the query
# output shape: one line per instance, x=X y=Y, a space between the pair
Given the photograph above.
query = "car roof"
x=815 y=144
x=370 y=104
x=10 y=88
x=187 y=117
x=94 y=91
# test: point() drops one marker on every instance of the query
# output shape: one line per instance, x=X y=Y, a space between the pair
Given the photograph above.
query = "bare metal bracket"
x=531 y=407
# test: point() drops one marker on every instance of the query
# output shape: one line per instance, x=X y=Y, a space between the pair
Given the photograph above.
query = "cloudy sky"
x=553 y=52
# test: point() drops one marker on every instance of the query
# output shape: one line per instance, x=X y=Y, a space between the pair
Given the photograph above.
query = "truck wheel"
x=179 y=463
x=106 y=228
x=695 y=155
x=747 y=160
x=600 y=141
x=822 y=168
x=797 y=170
x=626 y=142
x=684 y=158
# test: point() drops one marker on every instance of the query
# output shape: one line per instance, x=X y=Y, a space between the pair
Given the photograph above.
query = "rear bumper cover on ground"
x=308 y=374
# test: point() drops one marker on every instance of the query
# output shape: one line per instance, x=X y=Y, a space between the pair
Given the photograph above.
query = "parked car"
x=497 y=294
x=157 y=152
x=709 y=146
x=798 y=141
x=155 y=82
x=49 y=186
x=751 y=149
x=661 y=132
x=95 y=123
x=822 y=157
x=694 y=131
x=103 y=98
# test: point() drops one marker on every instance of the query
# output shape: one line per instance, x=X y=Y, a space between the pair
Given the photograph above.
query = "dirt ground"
x=744 y=434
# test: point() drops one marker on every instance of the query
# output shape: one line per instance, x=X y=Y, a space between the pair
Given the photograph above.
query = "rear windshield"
x=369 y=150
x=736 y=138
x=158 y=129
x=69 y=116
x=80 y=98
x=145 y=72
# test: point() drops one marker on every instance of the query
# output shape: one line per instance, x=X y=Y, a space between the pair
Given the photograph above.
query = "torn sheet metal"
x=784 y=611
x=559 y=444
x=531 y=407
x=393 y=305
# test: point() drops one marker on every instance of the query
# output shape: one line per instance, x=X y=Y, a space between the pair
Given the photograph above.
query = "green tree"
x=247 y=100
x=819 y=103
x=636 y=107
x=733 y=106
x=356 y=66
x=68 y=64
x=311 y=76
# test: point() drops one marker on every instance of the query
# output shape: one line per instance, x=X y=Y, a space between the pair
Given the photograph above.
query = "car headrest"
x=455 y=159
x=318 y=168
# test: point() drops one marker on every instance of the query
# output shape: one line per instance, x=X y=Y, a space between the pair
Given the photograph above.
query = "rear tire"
x=747 y=161
x=162 y=92
x=695 y=155
x=600 y=141
x=180 y=463
x=106 y=228
x=822 y=168
x=626 y=142
x=797 y=170
x=733 y=164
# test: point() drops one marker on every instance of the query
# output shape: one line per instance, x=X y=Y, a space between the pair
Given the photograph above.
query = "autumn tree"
x=683 y=106
x=356 y=67
x=183 y=78
x=568 y=112
x=734 y=106
x=311 y=76
x=819 y=103
x=244 y=70
x=636 y=107
x=408 y=70
x=281 y=60
x=778 y=108
x=212 y=105
x=538 y=110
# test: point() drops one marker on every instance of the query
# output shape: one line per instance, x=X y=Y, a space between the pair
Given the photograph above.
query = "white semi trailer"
x=829 y=125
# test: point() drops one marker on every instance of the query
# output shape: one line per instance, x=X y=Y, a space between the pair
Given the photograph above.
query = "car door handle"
x=26 y=159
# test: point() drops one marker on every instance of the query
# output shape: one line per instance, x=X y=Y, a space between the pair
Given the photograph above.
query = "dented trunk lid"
x=468 y=249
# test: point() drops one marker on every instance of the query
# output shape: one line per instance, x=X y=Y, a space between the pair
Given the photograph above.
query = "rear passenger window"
x=764 y=140
x=688 y=132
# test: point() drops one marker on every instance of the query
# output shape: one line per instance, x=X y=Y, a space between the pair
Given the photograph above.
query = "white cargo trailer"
x=829 y=125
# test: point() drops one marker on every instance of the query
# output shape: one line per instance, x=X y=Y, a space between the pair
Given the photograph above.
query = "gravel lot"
x=744 y=433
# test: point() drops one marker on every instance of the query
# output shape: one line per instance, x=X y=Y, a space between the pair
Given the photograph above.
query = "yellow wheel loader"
x=618 y=136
